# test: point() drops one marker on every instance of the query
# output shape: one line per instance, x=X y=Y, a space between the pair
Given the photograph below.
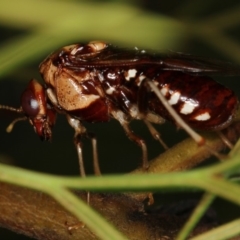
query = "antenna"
x=12 y=109
x=11 y=125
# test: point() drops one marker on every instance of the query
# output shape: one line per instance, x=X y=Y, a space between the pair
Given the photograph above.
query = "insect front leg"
x=80 y=131
x=123 y=120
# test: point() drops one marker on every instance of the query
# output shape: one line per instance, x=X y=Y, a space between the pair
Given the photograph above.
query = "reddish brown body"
x=96 y=81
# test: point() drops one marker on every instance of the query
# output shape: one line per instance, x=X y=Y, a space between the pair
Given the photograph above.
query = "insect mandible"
x=97 y=81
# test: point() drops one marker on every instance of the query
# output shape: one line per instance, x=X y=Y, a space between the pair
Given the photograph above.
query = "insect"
x=95 y=82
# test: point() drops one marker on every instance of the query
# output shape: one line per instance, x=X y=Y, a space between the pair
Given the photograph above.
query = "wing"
x=199 y=65
x=114 y=56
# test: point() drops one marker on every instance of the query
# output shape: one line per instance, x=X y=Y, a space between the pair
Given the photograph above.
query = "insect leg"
x=155 y=134
x=149 y=117
x=225 y=140
x=122 y=118
x=140 y=142
x=79 y=131
x=93 y=139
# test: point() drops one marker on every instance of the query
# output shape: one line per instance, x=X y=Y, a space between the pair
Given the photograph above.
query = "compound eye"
x=29 y=103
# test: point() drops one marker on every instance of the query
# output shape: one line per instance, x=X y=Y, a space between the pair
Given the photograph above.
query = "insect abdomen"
x=202 y=102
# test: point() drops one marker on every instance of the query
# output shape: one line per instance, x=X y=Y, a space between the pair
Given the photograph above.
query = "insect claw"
x=201 y=141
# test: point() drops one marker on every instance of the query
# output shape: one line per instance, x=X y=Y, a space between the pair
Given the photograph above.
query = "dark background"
x=155 y=22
